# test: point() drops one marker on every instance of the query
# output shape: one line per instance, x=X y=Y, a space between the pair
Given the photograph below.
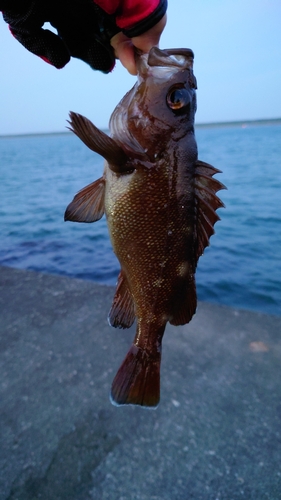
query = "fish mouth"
x=160 y=63
x=179 y=58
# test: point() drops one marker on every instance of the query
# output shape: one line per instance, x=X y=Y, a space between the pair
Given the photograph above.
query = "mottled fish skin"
x=160 y=204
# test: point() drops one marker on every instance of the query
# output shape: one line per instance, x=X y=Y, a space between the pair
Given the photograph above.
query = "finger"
x=124 y=51
x=126 y=55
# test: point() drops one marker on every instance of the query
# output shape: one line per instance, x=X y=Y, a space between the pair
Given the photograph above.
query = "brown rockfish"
x=160 y=202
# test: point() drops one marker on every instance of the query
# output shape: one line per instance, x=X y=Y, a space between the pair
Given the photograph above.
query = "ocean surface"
x=241 y=268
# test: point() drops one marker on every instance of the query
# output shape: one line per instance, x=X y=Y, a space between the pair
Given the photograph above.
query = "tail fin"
x=137 y=381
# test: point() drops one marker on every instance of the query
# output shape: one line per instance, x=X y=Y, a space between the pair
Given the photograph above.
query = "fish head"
x=161 y=106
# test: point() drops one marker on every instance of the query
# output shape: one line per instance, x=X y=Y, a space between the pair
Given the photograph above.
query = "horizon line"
x=260 y=121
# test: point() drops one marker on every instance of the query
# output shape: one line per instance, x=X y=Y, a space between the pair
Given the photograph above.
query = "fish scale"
x=160 y=202
x=147 y=256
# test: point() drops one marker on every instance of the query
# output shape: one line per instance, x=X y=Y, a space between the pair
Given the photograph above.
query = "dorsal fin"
x=99 y=142
x=88 y=204
x=205 y=168
x=207 y=203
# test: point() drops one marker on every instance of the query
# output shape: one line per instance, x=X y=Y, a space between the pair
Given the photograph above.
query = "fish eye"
x=178 y=98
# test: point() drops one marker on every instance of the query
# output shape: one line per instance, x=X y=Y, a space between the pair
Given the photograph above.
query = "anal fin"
x=88 y=204
x=122 y=312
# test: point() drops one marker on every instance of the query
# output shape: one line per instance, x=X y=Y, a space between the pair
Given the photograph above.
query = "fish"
x=161 y=205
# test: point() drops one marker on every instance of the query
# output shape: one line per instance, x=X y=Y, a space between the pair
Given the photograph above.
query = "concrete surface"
x=215 y=435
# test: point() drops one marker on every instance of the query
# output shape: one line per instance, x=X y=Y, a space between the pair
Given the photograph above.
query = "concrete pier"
x=216 y=434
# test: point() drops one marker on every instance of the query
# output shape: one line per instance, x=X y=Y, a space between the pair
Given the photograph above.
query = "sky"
x=237 y=46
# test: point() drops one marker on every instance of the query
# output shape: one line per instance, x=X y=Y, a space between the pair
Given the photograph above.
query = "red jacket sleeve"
x=134 y=17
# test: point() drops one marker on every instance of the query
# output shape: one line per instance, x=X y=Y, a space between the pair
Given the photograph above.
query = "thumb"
x=124 y=51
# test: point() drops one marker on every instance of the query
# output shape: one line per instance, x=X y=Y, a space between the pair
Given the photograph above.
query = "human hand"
x=124 y=46
x=84 y=30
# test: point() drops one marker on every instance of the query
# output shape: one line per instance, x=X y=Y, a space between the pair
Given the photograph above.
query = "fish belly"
x=151 y=234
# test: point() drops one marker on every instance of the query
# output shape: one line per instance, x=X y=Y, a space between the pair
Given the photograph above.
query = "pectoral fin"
x=88 y=204
x=99 y=142
x=207 y=203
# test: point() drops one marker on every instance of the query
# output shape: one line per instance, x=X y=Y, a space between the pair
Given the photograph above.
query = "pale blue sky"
x=237 y=46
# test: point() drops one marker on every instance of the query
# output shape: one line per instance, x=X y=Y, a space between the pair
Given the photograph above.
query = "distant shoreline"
x=238 y=123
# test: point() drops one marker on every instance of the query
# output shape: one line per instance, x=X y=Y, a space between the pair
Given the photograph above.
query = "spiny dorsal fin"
x=122 y=312
x=99 y=142
x=205 y=168
x=207 y=203
x=88 y=204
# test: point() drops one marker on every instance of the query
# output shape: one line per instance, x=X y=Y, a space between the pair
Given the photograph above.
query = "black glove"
x=84 y=30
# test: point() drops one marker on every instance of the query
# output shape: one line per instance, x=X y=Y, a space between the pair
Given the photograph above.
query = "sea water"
x=39 y=176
